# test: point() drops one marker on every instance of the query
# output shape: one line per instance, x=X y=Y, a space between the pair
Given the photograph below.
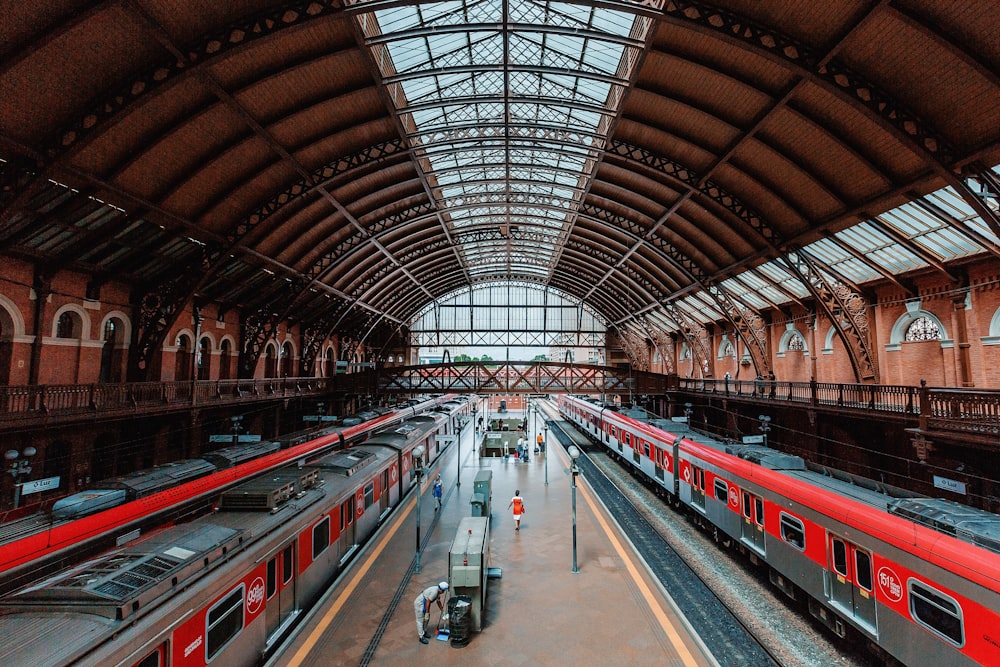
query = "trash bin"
x=459 y=615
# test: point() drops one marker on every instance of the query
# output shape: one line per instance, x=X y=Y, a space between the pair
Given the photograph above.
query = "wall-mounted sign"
x=39 y=485
x=952 y=485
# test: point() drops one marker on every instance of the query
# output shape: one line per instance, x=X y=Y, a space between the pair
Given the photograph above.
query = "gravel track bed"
x=789 y=634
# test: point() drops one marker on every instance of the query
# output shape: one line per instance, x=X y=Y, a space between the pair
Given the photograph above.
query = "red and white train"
x=918 y=577
x=223 y=588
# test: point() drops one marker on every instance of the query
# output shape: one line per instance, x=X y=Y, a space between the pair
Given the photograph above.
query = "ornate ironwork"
x=845 y=309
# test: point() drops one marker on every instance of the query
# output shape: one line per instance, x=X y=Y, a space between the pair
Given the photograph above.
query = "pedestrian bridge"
x=518 y=377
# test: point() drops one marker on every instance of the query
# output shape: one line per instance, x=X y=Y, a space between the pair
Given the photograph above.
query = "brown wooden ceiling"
x=254 y=157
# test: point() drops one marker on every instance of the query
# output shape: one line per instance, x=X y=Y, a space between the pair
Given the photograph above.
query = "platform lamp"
x=17 y=468
x=545 y=446
x=418 y=468
x=458 y=441
x=574 y=454
x=765 y=426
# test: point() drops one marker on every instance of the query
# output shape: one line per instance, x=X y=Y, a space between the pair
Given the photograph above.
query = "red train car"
x=223 y=588
x=918 y=577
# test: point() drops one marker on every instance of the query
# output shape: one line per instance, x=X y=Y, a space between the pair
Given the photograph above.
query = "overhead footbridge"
x=518 y=377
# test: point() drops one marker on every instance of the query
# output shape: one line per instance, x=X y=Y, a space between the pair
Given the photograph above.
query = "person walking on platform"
x=539 y=443
x=437 y=493
x=422 y=607
x=517 y=502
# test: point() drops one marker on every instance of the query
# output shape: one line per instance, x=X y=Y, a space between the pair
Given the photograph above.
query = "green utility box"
x=482 y=493
x=468 y=565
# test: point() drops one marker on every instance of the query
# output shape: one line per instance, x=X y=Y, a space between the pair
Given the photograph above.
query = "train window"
x=937 y=612
x=349 y=511
x=758 y=507
x=746 y=505
x=840 y=557
x=223 y=622
x=793 y=532
x=272 y=577
x=369 y=494
x=863 y=569
x=286 y=558
x=721 y=491
x=321 y=537
x=154 y=659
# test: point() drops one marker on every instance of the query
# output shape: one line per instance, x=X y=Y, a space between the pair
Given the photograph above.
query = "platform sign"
x=753 y=440
x=444 y=439
x=229 y=438
x=320 y=418
x=947 y=484
x=39 y=485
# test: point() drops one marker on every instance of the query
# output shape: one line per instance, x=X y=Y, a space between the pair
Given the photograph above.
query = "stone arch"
x=898 y=333
x=81 y=328
x=787 y=337
x=11 y=320
x=11 y=331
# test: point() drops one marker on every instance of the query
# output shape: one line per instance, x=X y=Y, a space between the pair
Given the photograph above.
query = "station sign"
x=39 y=485
x=947 y=484
x=229 y=438
x=753 y=440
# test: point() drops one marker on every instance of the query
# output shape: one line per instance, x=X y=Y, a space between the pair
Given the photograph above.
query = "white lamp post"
x=574 y=454
x=17 y=468
x=418 y=468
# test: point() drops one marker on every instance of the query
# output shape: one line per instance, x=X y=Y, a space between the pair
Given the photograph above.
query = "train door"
x=281 y=604
x=383 y=484
x=698 y=487
x=752 y=532
x=851 y=581
x=346 y=540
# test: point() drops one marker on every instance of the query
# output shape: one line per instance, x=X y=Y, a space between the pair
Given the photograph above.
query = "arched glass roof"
x=507 y=106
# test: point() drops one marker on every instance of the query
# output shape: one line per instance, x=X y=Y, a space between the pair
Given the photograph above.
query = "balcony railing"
x=939 y=410
x=44 y=404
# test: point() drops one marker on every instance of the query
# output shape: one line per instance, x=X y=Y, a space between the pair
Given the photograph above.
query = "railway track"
x=732 y=641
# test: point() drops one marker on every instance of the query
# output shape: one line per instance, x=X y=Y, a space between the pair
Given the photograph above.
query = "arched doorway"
x=182 y=365
x=112 y=352
x=331 y=363
x=205 y=358
x=270 y=362
x=6 y=346
x=287 y=362
x=225 y=357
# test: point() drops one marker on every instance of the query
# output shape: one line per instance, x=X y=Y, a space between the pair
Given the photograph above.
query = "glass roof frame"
x=505 y=102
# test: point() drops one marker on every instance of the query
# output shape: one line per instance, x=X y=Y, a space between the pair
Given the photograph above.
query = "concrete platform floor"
x=539 y=613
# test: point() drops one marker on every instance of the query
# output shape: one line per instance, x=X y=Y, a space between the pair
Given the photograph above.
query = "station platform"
x=539 y=612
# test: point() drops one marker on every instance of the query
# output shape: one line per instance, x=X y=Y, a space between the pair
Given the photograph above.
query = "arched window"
x=66 y=326
x=109 y=331
x=796 y=343
x=331 y=363
x=727 y=349
x=922 y=328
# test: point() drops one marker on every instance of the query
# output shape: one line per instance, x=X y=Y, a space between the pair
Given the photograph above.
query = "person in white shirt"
x=422 y=607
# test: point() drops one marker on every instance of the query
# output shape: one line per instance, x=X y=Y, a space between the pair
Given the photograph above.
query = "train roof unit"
x=268 y=492
x=227 y=457
x=120 y=583
x=968 y=524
